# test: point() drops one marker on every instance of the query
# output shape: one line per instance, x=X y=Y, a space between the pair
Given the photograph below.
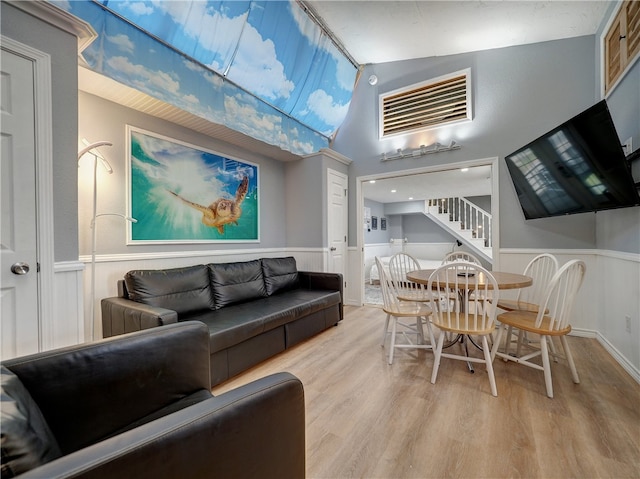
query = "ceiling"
x=387 y=31
x=476 y=181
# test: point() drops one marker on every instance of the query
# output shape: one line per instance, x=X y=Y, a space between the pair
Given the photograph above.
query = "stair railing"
x=471 y=217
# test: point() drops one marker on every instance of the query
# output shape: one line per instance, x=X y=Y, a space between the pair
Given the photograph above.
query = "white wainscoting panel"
x=618 y=290
x=431 y=251
x=354 y=293
x=585 y=317
x=67 y=315
x=370 y=253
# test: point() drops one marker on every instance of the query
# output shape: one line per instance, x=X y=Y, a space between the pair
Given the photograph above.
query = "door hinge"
x=37 y=267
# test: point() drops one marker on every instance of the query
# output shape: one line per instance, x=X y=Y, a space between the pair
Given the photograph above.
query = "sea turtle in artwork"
x=223 y=210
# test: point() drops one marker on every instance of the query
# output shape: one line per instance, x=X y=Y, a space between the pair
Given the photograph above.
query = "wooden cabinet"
x=622 y=42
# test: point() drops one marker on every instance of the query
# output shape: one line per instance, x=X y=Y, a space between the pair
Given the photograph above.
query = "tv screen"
x=575 y=168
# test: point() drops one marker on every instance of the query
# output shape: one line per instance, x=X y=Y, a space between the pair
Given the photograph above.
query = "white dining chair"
x=541 y=269
x=461 y=256
x=462 y=279
x=397 y=311
x=551 y=320
x=399 y=265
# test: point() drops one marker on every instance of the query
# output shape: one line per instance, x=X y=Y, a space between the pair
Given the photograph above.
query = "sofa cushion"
x=26 y=440
x=280 y=274
x=183 y=290
x=234 y=324
x=236 y=282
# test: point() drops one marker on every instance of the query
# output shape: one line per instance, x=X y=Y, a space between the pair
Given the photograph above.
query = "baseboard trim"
x=619 y=358
x=611 y=349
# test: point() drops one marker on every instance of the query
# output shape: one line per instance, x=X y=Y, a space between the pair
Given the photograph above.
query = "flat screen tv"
x=578 y=167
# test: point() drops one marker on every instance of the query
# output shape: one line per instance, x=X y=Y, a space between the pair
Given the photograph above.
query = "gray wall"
x=306 y=200
x=378 y=235
x=420 y=229
x=305 y=221
x=63 y=49
x=104 y=120
x=483 y=202
x=519 y=93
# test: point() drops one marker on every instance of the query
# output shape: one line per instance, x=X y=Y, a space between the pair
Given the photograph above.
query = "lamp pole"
x=93 y=260
x=90 y=148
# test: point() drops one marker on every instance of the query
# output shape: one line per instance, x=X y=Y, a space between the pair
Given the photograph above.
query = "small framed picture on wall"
x=374 y=222
x=383 y=223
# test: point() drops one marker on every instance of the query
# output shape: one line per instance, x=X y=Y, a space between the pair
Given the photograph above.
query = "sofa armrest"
x=318 y=280
x=256 y=430
x=121 y=315
x=89 y=391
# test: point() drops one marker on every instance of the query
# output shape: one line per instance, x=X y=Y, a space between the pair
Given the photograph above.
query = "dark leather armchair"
x=139 y=405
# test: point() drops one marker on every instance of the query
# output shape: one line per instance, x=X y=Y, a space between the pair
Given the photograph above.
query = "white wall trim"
x=611 y=349
x=633 y=371
x=583 y=333
x=59 y=18
x=163 y=255
x=619 y=255
x=595 y=252
x=67 y=266
x=334 y=155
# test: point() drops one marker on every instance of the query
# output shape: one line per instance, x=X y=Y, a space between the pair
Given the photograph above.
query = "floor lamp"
x=91 y=148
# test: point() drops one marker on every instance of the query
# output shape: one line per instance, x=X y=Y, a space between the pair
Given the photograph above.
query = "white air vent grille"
x=429 y=104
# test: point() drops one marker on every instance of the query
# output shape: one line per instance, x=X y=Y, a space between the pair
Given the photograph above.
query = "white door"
x=19 y=323
x=337 y=221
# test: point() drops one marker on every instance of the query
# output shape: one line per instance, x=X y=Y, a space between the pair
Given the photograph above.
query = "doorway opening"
x=402 y=199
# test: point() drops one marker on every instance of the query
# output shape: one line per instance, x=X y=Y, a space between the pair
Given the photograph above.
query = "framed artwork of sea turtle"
x=182 y=193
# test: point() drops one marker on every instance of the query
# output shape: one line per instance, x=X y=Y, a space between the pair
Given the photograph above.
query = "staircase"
x=469 y=223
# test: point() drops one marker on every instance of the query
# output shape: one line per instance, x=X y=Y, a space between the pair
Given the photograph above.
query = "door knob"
x=333 y=248
x=20 y=268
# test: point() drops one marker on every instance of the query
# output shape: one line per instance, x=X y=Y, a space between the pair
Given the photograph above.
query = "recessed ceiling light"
x=464 y=170
x=372 y=181
x=410 y=197
x=393 y=191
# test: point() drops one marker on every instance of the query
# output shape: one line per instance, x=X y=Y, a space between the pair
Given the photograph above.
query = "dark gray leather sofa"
x=253 y=309
x=140 y=405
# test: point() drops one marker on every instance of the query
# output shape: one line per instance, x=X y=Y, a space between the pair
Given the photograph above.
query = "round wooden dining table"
x=504 y=279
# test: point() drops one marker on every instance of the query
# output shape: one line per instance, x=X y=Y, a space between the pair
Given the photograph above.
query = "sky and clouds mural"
x=263 y=68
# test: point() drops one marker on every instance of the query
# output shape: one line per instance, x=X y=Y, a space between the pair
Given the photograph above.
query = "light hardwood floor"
x=368 y=419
